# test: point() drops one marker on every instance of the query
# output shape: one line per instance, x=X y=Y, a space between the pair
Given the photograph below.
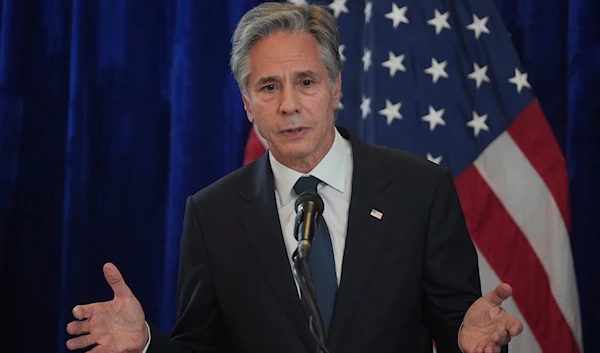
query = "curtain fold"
x=111 y=113
x=583 y=155
x=208 y=125
x=11 y=103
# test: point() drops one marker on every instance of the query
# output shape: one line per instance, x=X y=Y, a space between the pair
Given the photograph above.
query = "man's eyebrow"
x=266 y=80
x=270 y=79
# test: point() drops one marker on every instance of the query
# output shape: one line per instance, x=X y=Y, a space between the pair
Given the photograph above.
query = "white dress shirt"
x=335 y=170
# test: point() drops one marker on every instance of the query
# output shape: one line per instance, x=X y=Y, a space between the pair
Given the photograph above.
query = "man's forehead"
x=283 y=55
x=285 y=44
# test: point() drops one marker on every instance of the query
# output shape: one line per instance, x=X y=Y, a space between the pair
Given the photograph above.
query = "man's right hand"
x=116 y=326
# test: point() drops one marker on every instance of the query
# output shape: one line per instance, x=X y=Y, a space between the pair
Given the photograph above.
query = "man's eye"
x=306 y=83
x=270 y=87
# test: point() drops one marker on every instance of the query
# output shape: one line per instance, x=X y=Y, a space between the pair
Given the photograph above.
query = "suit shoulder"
x=225 y=186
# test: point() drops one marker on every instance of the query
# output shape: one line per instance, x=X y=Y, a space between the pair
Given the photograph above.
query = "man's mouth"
x=295 y=132
x=298 y=129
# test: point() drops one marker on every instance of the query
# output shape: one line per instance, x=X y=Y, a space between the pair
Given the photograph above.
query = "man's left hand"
x=486 y=326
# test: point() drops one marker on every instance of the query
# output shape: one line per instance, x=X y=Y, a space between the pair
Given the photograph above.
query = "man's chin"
x=297 y=154
x=293 y=152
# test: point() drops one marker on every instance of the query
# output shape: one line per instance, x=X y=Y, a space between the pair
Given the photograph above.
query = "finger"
x=516 y=328
x=115 y=280
x=81 y=312
x=492 y=349
x=78 y=327
x=81 y=342
x=501 y=338
x=499 y=294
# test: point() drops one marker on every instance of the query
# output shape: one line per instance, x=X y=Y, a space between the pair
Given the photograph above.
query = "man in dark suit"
x=390 y=255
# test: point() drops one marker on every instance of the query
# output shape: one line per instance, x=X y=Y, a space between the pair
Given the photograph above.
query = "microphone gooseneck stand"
x=304 y=227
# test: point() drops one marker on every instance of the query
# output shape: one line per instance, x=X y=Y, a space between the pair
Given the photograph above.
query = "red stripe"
x=533 y=135
x=511 y=256
x=254 y=148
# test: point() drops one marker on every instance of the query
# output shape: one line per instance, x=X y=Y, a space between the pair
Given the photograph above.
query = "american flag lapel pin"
x=376 y=214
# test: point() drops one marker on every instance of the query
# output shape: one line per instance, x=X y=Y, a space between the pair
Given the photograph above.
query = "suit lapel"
x=260 y=221
x=364 y=235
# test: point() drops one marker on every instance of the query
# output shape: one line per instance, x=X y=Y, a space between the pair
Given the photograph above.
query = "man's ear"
x=337 y=91
x=247 y=108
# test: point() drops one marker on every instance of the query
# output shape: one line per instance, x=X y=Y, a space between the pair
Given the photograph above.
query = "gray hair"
x=271 y=17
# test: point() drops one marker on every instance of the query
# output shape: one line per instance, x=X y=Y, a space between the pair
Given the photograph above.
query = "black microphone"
x=309 y=207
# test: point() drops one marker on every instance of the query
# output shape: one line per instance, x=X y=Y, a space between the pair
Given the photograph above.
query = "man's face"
x=291 y=99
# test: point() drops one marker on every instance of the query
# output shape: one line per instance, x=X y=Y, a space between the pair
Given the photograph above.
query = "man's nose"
x=289 y=101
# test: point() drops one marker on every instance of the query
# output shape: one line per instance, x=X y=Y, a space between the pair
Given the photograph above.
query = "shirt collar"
x=331 y=170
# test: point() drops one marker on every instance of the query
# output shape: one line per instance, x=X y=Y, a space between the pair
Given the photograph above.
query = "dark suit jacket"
x=415 y=267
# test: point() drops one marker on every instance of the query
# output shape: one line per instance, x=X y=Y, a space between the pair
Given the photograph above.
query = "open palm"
x=486 y=325
x=116 y=326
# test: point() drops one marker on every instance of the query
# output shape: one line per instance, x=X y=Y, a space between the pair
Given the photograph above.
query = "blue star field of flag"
x=438 y=78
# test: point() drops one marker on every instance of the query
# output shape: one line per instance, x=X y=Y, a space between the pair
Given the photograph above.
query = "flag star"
x=440 y=21
x=298 y=2
x=365 y=107
x=434 y=118
x=437 y=70
x=394 y=63
x=368 y=12
x=340 y=105
x=341 y=49
x=520 y=79
x=366 y=59
x=436 y=160
x=398 y=15
x=479 y=74
x=338 y=6
x=478 y=123
x=391 y=111
x=478 y=26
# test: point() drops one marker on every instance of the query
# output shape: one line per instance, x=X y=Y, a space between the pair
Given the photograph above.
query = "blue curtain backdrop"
x=112 y=112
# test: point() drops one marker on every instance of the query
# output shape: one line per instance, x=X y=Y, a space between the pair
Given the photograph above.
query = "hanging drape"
x=111 y=113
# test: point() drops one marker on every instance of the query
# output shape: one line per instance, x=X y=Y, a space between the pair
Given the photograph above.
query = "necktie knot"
x=306 y=183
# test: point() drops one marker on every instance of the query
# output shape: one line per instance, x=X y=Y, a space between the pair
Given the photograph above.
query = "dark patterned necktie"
x=321 y=261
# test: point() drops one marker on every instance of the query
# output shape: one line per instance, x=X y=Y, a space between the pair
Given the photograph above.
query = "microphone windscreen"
x=308 y=196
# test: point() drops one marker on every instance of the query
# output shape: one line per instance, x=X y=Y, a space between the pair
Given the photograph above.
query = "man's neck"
x=303 y=165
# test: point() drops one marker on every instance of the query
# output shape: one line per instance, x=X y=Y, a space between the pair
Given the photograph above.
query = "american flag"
x=442 y=79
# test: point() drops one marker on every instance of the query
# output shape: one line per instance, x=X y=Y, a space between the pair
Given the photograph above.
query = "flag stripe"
x=533 y=135
x=510 y=175
x=508 y=251
x=526 y=341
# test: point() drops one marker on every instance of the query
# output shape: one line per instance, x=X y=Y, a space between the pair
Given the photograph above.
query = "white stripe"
x=526 y=341
x=527 y=199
